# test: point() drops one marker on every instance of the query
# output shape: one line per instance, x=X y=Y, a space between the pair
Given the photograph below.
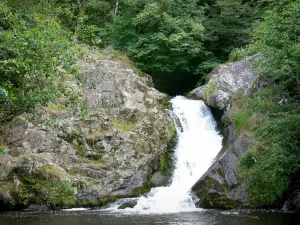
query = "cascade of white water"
x=198 y=144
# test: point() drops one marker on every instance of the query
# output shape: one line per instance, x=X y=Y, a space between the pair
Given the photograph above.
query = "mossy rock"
x=138 y=191
x=124 y=125
x=215 y=200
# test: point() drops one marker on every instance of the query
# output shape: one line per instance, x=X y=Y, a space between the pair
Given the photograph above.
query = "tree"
x=228 y=25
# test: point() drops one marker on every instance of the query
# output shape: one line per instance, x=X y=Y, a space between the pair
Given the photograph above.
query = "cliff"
x=108 y=143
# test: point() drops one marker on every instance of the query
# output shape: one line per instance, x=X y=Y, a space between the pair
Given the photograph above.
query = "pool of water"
x=206 y=217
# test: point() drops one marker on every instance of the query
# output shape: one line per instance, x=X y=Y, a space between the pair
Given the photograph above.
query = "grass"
x=210 y=89
x=122 y=59
x=2 y=149
x=5 y=188
x=242 y=120
x=49 y=172
x=124 y=125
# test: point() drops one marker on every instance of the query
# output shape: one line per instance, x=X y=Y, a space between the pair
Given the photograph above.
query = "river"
x=206 y=217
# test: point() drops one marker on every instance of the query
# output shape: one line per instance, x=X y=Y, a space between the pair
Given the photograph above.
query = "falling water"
x=198 y=144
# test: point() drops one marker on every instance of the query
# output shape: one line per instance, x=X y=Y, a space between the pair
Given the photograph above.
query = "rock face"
x=228 y=81
x=219 y=187
x=108 y=143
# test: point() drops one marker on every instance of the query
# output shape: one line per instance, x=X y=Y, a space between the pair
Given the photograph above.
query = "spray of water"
x=198 y=144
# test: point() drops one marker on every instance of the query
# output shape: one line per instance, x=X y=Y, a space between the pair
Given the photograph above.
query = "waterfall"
x=198 y=144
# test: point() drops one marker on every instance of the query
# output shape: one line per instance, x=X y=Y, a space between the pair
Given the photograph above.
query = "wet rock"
x=128 y=204
x=37 y=207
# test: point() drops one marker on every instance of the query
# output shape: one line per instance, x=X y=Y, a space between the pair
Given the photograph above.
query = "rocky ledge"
x=219 y=186
x=111 y=143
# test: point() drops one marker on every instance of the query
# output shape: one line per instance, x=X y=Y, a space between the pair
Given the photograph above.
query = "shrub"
x=267 y=168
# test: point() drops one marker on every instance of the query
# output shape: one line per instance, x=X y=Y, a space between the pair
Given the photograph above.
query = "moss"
x=166 y=165
x=2 y=150
x=104 y=200
x=208 y=184
x=96 y=201
x=87 y=203
x=25 y=159
x=106 y=106
x=216 y=201
x=213 y=195
x=53 y=193
x=123 y=125
x=146 y=186
x=171 y=133
x=210 y=89
x=140 y=191
x=49 y=172
x=57 y=107
x=165 y=103
x=190 y=95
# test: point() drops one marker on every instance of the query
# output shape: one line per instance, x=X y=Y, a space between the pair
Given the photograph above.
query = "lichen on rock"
x=101 y=147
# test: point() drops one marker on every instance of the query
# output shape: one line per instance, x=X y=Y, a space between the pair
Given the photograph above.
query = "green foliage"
x=228 y=25
x=241 y=120
x=277 y=40
x=156 y=36
x=269 y=168
x=2 y=150
x=53 y=193
x=266 y=169
x=35 y=50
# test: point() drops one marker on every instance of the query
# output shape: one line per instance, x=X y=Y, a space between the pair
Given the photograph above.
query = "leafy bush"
x=268 y=168
x=274 y=159
x=34 y=52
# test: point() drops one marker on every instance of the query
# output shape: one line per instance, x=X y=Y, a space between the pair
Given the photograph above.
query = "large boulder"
x=219 y=186
x=226 y=82
x=106 y=143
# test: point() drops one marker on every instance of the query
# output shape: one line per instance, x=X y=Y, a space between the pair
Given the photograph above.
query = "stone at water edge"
x=219 y=187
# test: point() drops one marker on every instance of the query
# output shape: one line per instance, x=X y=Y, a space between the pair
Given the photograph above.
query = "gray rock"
x=37 y=207
x=237 y=78
x=105 y=144
x=128 y=204
x=219 y=186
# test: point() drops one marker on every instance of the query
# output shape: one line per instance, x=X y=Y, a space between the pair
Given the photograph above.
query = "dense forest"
x=177 y=42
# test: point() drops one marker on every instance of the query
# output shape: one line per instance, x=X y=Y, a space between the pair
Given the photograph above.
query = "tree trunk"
x=116 y=7
x=79 y=5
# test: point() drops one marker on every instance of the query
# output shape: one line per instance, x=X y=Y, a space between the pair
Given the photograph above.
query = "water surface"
x=209 y=217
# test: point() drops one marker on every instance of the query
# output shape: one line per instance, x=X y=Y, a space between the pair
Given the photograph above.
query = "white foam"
x=198 y=144
x=75 y=209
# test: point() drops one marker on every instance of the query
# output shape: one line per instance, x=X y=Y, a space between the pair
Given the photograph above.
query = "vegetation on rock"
x=270 y=169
